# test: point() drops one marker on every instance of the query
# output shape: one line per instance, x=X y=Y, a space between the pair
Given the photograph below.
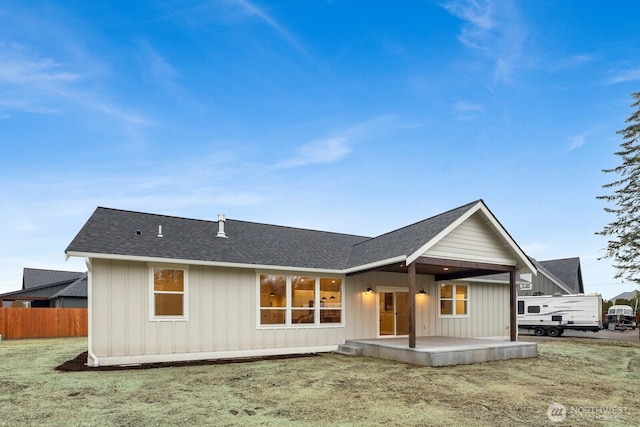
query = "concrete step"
x=349 y=350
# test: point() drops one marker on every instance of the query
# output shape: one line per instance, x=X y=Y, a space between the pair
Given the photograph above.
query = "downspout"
x=90 y=352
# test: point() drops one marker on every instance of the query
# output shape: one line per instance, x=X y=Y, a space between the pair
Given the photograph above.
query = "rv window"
x=533 y=309
x=520 y=307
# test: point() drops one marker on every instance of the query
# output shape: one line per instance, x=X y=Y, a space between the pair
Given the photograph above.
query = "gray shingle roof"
x=625 y=295
x=127 y=233
x=34 y=277
x=112 y=231
x=406 y=240
x=49 y=290
x=77 y=289
x=568 y=271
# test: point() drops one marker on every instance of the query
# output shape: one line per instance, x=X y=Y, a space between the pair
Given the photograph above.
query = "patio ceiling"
x=446 y=269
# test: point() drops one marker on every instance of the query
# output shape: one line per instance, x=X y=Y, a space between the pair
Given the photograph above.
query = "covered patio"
x=440 y=351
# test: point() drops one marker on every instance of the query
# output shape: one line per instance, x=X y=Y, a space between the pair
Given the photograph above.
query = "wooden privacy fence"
x=18 y=323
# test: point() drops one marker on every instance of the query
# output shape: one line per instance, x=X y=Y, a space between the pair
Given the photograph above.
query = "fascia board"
x=199 y=262
x=382 y=263
x=496 y=225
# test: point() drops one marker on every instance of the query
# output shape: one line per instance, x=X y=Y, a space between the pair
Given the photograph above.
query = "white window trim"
x=454 y=316
x=288 y=308
x=152 y=301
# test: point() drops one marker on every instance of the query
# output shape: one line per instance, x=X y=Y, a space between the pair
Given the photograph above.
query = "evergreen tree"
x=624 y=232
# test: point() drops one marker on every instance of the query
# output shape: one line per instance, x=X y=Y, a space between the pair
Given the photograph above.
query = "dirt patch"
x=78 y=363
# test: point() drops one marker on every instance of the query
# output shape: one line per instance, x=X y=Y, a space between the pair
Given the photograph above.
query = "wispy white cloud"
x=495 y=30
x=156 y=67
x=327 y=150
x=535 y=247
x=629 y=75
x=465 y=106
x=575 y=141
x=572 y=61
x=40 y=72
x=578 y=140
x=337 y=147
x=251 y=9
x=40 y=85
x=467 y=111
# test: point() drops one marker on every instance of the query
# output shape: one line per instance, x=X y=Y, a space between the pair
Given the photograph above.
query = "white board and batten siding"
x=222 y=318
x=472 y=240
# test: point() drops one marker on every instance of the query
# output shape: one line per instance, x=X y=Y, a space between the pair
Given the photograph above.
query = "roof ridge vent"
x=221 y=221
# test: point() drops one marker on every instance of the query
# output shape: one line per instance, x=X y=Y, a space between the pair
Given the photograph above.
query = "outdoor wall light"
x=422 y=292
x=369 y=290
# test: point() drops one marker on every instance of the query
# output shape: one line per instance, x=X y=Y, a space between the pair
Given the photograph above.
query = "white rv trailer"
x=552 y=314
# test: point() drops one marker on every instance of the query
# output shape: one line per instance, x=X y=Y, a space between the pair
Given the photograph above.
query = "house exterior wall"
x=222 y=318
x=541 y=283
x=69 y=302
x=488 y=313
x=472 y=241
x=222 y=315
x=488 y=308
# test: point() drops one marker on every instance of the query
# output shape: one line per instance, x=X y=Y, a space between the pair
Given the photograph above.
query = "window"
x=273 y=299
x=520 y=307
x=299 y=300
x=302 y=299
x=454 y=300
x=330 y=301
x=169 y=288
x=533 y=309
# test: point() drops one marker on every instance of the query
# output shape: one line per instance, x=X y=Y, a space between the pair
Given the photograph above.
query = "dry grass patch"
x=324 y=390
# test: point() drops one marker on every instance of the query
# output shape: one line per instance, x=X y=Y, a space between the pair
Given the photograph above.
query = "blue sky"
x=346 y=116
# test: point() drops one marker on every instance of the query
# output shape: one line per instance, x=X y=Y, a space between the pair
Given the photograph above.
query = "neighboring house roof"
x=33 y=277
x=76 y=286
x=77 y=289
x=568 y=271
x=625 y=295
x=545 y=271
x=120 y=234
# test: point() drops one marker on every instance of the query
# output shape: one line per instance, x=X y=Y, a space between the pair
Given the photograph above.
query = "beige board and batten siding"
x=221 y=322
x=488 y=306
x=362 y=314
x=472 y=240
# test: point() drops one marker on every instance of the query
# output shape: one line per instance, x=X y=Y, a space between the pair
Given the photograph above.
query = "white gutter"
x=92 y=355
x=395 y=260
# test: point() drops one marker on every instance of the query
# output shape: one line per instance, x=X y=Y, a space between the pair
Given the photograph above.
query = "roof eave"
x=479 y=206
x=199 y=262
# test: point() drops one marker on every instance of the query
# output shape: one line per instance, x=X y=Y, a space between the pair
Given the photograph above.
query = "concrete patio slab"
x=445 y=351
